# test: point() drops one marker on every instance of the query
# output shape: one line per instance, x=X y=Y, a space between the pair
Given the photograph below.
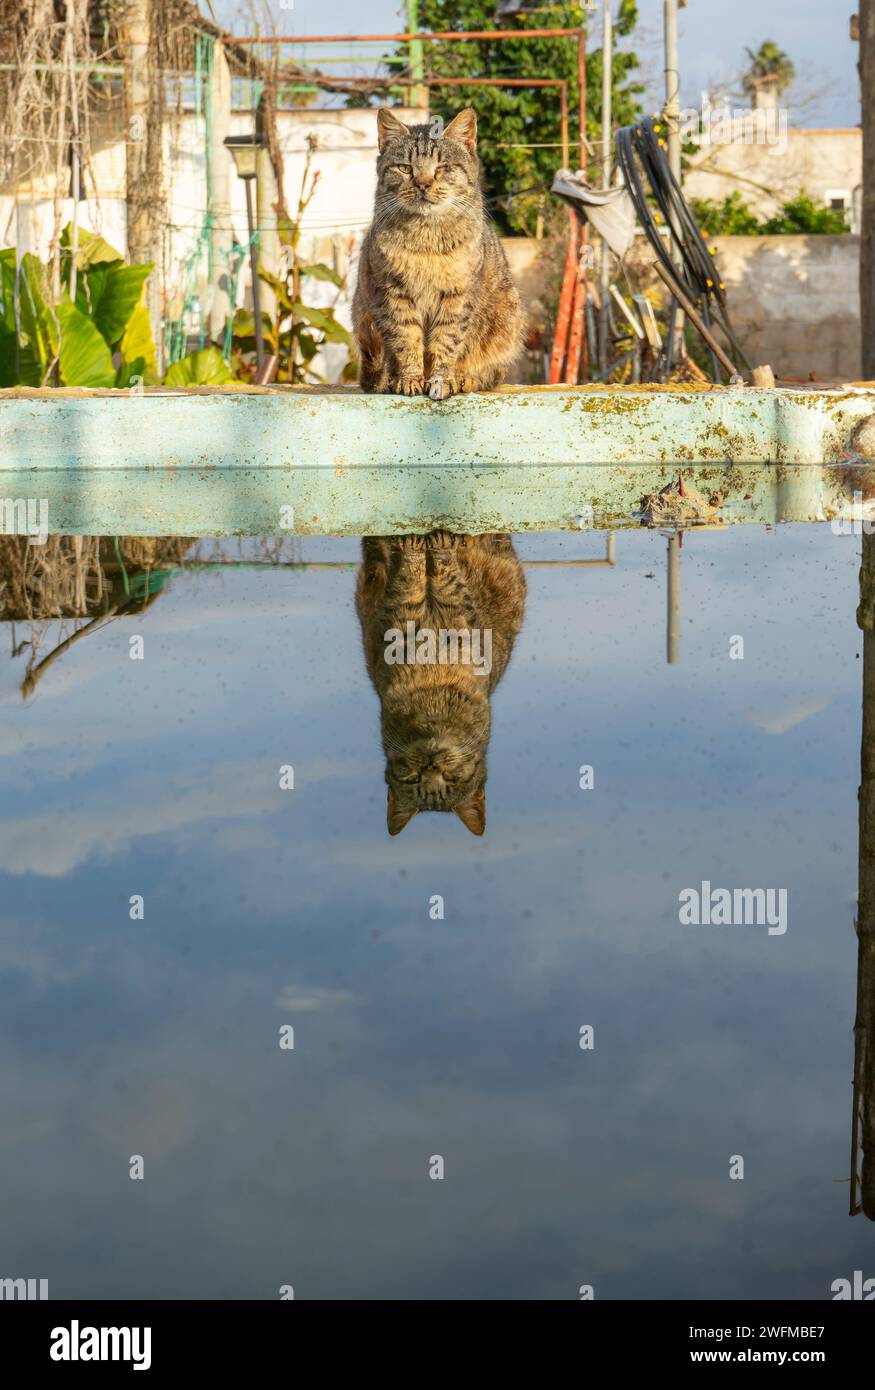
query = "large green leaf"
x=7 y=286
x=34 y=313
x=205 y=368
x=92 y=249
x=137 y=347
x=85 y=358
x=279 y=286
x=18 y=365
x=307 y=346
x=109 y=294
x=324 y=320
x=244 y=331
x=323 y=272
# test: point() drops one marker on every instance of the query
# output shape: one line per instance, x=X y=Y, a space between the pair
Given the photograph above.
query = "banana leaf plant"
x=98 y=337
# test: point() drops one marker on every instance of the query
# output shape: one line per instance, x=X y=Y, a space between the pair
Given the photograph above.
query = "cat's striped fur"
x=435 y=309
x=435 y=718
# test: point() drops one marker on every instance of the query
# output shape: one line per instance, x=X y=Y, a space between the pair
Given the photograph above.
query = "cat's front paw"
x=440 y=387
x=407 y=386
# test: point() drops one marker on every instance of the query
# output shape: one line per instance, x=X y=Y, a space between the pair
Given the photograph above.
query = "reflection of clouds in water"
x=457 y=1037
x=433 y=846
x=779 y=719
x=57 y=842
x=310 y=998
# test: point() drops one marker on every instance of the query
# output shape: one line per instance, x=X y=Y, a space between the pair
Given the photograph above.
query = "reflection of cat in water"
x=424 y=602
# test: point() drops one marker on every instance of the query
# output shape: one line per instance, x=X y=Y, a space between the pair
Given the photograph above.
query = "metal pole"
x=607 y=84
x=253 y=265
x=563 y=122
x=672 y=115
x=581 y=94
x=863 y=1116
x=673 y=632
x=419 y=95
x=446 y=35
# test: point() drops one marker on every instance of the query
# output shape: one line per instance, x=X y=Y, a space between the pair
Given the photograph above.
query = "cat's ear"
x=395 y=818
x=388 y=127
x=472 y=813
x=464 y=129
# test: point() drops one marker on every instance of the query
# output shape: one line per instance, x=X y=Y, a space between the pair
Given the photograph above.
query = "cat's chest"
x=428 y=274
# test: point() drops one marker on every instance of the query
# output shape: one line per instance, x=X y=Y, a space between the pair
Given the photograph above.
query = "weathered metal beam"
x=219 y=461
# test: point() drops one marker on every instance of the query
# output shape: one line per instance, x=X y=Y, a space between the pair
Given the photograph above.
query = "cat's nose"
x=424 y=181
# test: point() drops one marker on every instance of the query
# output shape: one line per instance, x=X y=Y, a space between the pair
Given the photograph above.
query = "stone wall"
x=794 y=302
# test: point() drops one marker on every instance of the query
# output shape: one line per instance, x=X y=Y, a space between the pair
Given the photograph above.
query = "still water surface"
x=417 y=1037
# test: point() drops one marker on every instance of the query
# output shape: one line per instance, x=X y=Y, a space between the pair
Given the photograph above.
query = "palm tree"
x=769 y=65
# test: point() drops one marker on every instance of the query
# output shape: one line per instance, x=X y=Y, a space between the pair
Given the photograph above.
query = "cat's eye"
x=403 y=168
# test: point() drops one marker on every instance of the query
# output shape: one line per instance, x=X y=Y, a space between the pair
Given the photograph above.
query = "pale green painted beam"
x=229 y=460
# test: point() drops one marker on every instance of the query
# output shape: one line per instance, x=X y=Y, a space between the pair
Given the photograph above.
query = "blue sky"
x=714 y=36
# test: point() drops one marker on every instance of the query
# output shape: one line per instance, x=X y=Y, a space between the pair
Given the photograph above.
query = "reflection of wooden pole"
x=863 y=1119
x=673 y=625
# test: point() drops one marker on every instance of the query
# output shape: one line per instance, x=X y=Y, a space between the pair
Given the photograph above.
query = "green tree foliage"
x=733 y=217
x=519 y=127
x=803 y=214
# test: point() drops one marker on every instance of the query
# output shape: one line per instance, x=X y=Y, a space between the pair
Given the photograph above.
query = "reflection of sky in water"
x=459 y=1037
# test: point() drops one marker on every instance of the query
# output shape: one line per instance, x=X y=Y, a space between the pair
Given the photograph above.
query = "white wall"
x=333 y=225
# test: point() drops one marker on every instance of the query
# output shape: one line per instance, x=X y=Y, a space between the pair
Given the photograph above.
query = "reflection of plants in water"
x=52 y=587
x=74 y=585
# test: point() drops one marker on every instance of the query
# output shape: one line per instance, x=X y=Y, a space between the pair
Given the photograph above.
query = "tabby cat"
x=435 y=714
x=435 y=309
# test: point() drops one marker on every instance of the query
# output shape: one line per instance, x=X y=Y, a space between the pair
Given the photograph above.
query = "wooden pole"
x=867 y=228
x=576 y=336
x=142 y=157
x=220 y=165
x=266 y=195
x=693 y=315
x=607 y=116
x=566 y=298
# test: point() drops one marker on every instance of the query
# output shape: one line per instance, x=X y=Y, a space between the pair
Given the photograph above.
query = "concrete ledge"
x=225 y=460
